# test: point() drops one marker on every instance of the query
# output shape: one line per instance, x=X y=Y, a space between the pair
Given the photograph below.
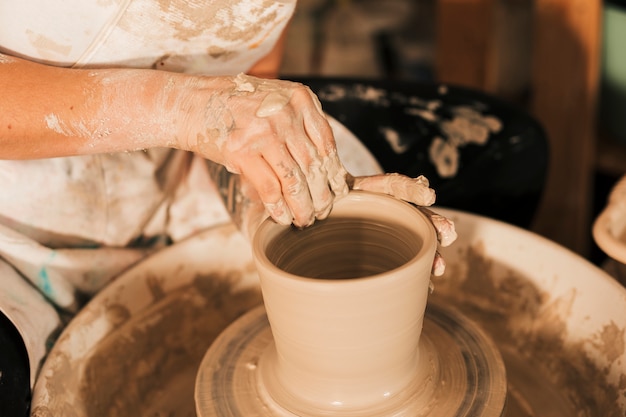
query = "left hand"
x=418 y=192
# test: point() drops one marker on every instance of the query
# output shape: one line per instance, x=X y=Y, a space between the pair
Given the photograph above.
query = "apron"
x=70 y=225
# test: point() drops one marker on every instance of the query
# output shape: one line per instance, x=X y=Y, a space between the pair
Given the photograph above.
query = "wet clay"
x=459 y=373
x=179 y=348
x=343 y=248
x=547 y=375
x=157 y=350
x=275 y=100
x=330 y=292
x=345 y=300
x=527 y=311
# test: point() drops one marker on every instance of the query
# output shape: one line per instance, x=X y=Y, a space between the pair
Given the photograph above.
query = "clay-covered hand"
x=275 y=135
x=416 y=191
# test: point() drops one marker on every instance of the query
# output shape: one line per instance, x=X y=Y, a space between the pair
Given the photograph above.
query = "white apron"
x=69 y=225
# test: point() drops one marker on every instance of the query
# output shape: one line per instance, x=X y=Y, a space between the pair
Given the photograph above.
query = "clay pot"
x=345 y=300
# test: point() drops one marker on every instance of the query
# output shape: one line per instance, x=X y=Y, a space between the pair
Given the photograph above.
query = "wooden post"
x=564 y=83
x=464 y=42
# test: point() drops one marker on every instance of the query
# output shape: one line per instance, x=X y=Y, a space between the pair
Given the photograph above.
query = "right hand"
x=275 y=135
x=418 y=192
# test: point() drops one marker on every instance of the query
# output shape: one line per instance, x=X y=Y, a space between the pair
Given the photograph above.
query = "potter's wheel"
x=135 y=349
x=460 y=372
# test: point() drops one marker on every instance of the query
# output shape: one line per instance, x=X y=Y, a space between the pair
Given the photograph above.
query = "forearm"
x=272 y=132
x=47 y=111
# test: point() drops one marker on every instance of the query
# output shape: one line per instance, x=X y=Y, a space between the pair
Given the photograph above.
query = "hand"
x=416 y=191
x=243 y=203
x=275 y=135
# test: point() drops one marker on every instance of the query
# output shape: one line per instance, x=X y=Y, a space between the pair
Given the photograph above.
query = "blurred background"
x=561 y=61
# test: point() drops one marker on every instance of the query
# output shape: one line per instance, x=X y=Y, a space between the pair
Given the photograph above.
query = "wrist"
x=202 y=118
x=126 y=110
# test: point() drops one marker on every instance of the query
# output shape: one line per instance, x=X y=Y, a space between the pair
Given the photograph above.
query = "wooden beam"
x=464 y=41
x=564 y=82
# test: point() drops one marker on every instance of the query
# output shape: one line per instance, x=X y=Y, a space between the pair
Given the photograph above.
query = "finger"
x=253 y=211
x=335 y=171
x=314 y=119
x=294 y=183
x=321 y=134
x=312 y=165
x=439 y=265
x=446 y=231
x=337 y=175
x=413 y=190
x=269 y=189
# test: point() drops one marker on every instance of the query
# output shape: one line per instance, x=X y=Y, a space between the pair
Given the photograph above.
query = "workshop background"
x=560 y=60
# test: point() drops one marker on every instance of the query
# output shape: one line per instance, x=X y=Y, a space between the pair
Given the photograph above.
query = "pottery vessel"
x=345 y=300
